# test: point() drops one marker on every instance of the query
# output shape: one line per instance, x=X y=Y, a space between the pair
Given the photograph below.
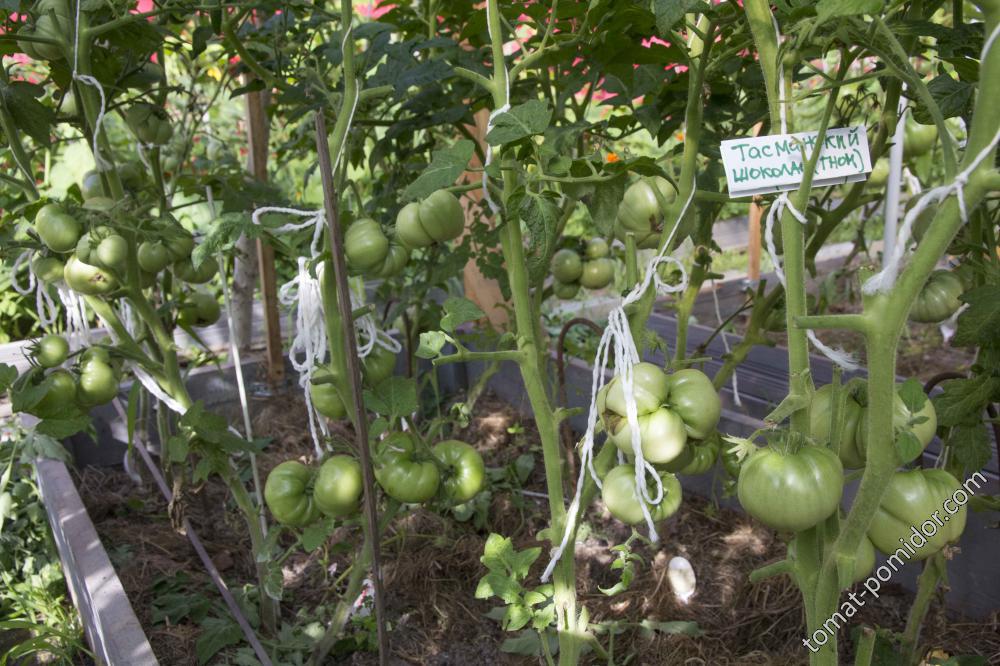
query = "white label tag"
x=758 y=165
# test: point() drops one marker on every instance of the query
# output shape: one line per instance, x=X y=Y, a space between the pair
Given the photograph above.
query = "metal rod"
x=353 y=375
x=203 y=555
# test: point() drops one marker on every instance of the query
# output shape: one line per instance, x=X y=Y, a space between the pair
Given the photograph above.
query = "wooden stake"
x=354 y=375
x=258 y=131
x=753 y=232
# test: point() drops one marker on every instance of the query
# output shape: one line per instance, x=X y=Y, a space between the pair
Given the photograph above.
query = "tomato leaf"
x=316 y=534
x=669 y=12
x=541 y=215
x=979 y=324
x=29 y=115
x=458 y=311
x=8 y=374
x=970 y=445
x=393 y=397
x=216 y=634
x=908 y=447
x=827 y=9
x=65 y=426
x=431 y=344
x=911 y=392
x=522 y=121
x=445 y=168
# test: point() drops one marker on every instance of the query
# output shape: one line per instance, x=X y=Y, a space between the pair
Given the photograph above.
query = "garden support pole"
x=354 y=377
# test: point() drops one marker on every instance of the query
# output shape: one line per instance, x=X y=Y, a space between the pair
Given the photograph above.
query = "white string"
x=22 y=258
x=45 y=306
x=725 y=344
x=489 y=123
x=912 y=182
x=838 y=356
x=782 y=113
x=101 y=163
x=617 y=341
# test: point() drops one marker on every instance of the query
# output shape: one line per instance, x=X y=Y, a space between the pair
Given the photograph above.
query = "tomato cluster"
x=641 y=212
x=298 y=495
x=92 y=381
x=438 y=218
x=451 y=470
x=595 y=270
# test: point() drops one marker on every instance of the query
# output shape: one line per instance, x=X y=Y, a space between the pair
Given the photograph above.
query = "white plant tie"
x=489 y=123
x=369 y=335
x=617 y=340
x=838 y=356
x=912 y=182
x=154 y=389
x=725 y=344
x=101 y=163
x=884 y=280
x=782 y=113
x=45 y=305
x=308 y=347
x=316 y=219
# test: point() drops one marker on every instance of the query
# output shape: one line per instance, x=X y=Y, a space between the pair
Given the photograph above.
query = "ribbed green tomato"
x=918 y=139
x=661 y=435
x=791 y=490
x=395 y=260
x=464 y=470
x=60 y=396
x=912 y=499
x=338 y=487
x=57 y=229
x=47 y=269
x=650 y=386
x=51 y=351
x=379 y=365
x=901 y=416
x=87 y=279
x=402 y=474
x=620 y=496
x=442 y=216
x=365 y=245
x=698 y=457
x=565 y=291
x=409 y=230
x=597 y=273
x=820 y=415
x=640 y=209
x=288 y=494
x=938 y=299
x=567 y=267
x=324 y=396
x=150 y=123
x=597 y=248
x=97 y=384
x=153 y=256
x=198 y=310
x=693 y=397
x=185 y=270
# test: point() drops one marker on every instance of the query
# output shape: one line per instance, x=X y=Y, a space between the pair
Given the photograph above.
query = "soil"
x=431 y=568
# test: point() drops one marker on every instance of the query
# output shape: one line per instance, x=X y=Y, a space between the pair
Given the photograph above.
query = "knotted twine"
x=494 y=208
x=838 y=356
x=617 y=341
x=101 y=163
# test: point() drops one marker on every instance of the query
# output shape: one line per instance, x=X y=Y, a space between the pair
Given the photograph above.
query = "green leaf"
x=964 y=400
x=445 y=168
x=911 y=392
x=970 y=445
x=223 y=233
x=669 y=12
x=541 y=215
x=177 y=447
x=393 y=397
x=316 y=534
x=29 y=115
x=604 y=203
x=8 y=374
x=827 y=9
x=979 y=324
x=62 y=428
x=528 y=643
x=517 y=616
x=459 y=310
x=953 y=98
x=496 y=584
x=908 y=447
x=497 y=552
x=431 y=343
x=521 y=121
x=216 y=634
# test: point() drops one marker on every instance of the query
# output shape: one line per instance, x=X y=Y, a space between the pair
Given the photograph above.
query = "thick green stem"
x=934 y=572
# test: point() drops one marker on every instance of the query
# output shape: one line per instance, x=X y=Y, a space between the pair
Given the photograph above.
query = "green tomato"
x=640 y=210
x=87 y=279
x=409 y=230
x=58 y=230
x=186 y=270
x=91 y=186
x=91 y=354
x=54 y=27
x=791 y=490
x=622 y=499
x=597 y=248
x=402 y=475
x=338 y=488
x=820 y=421
x=939 y=299
x=97 y=385
x=150 y=123
x=324 y=396
x=441 y=216
x=47 y=269
x=918 y=139
x=901 y=417
x=661 y=435
x=50 y=351
x=60 y=396
x=379 y=365
x=288 y=494
x=395 y=260
x=698 y=457
x=597 y=273
x=693 y=397
x=111 y=253
x=464 y=470
x=565 y=291
x=880 y=173
x=146 y=76
x=567 y=267
x=199 y=310
x=365 y=246
x=153 y=256
x=28 y=48
x=650 y=386
x=911 y=501
x=179 y=243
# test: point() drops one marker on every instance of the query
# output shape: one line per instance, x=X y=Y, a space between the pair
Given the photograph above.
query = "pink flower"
x=373 y=10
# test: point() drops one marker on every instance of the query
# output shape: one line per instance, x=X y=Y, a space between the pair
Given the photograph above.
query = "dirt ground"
x=432 y=567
